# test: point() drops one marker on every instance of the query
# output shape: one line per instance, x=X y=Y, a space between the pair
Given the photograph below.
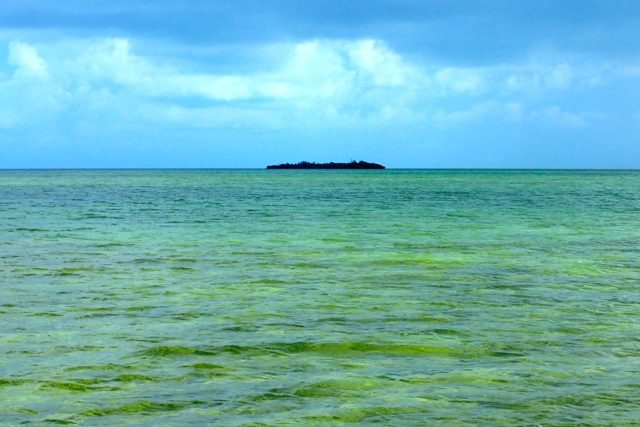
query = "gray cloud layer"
x=460 y=32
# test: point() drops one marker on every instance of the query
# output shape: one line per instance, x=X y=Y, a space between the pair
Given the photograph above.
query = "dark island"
x=311 y=165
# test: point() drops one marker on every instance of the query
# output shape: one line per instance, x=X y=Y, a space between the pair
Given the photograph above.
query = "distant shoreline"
x=312 y=165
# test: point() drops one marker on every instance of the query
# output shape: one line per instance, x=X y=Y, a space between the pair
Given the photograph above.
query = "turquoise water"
x=253 y=297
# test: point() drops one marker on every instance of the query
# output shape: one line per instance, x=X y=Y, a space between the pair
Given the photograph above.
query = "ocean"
x=291 y=297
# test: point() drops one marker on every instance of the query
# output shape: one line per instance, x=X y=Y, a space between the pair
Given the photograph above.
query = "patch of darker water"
x=27 y=411
x=181 y=269
x=61 y=421
x=80 y=385
x=11 y=382
x=76 y=385
x=29 y=230
x=142 y=407
x=327 y=348
x=177 y=350
x=209 y=370
x=592 y=400
x=206 y=366
x=113 y=245
x=376 y=414
x=133 y=378
x=76 y=271
x=95 y=215
x=333 y=388
x=183 y=260
x=103 y=367
x=47 y=314
x=141 y=308
x=454 y=378
x=148 y=260
x=267 y=281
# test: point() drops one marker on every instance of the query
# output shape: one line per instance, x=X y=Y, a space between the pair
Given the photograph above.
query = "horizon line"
x=265 y=168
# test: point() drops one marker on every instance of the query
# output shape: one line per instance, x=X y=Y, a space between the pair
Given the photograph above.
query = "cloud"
x=28 y=96
x=316 y=75
x=540 y=77
x=556 y=116
x=460 y=80
x=560 y=76
x=457 y=117
x=480 y=33
x=486 y=110
x=313 y=83
x=27 y=61
x=311 y=70
x=383 y=66
x=400 y=73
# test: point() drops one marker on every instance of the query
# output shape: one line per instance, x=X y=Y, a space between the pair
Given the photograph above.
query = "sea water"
x=254 y=297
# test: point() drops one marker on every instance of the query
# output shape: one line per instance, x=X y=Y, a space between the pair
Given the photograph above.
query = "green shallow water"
x=319 y=297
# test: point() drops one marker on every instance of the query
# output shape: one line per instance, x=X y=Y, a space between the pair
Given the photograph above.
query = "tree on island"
x=312 y=165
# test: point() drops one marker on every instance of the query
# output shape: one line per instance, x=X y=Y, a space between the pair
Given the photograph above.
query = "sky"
x=246 y=83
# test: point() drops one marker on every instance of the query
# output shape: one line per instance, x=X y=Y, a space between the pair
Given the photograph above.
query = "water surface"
x=246 y=297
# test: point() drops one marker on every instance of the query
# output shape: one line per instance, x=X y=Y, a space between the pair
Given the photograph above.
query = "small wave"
x=104 y=367
x=61 y=421
x=9 y=382
x=75 y=386
x=357 y=415
x=127 y=378
x=187 y=260
x=209 y=370
x=91 y=215
x=112 y=245
x=206 y=366
x=417 y=262
x=176 y=350
x=141 y=308
x=187 y=315
x=331 y=348
x=337 y=388
x=47 y=314
x=97 y=315
x=145 y=261
x=75 y=271
x=142 y=407
x=309 y=264
x=273 y=394
x=267 y=281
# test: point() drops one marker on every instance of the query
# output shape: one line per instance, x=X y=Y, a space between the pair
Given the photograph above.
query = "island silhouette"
x=312 y=165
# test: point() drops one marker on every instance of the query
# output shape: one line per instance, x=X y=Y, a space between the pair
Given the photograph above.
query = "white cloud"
x=542 y=78
x=514 y=111
x=557 y=116
x=460 y=80
x=492 y=109
x=28 y=95
x=320 y=77
x=560 y=76
x=311 y=83
x=312 y=70
x=27 y=61
x=383 y=66
x=456 y=117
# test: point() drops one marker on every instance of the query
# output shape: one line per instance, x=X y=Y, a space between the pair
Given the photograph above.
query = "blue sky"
x=245 y=83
